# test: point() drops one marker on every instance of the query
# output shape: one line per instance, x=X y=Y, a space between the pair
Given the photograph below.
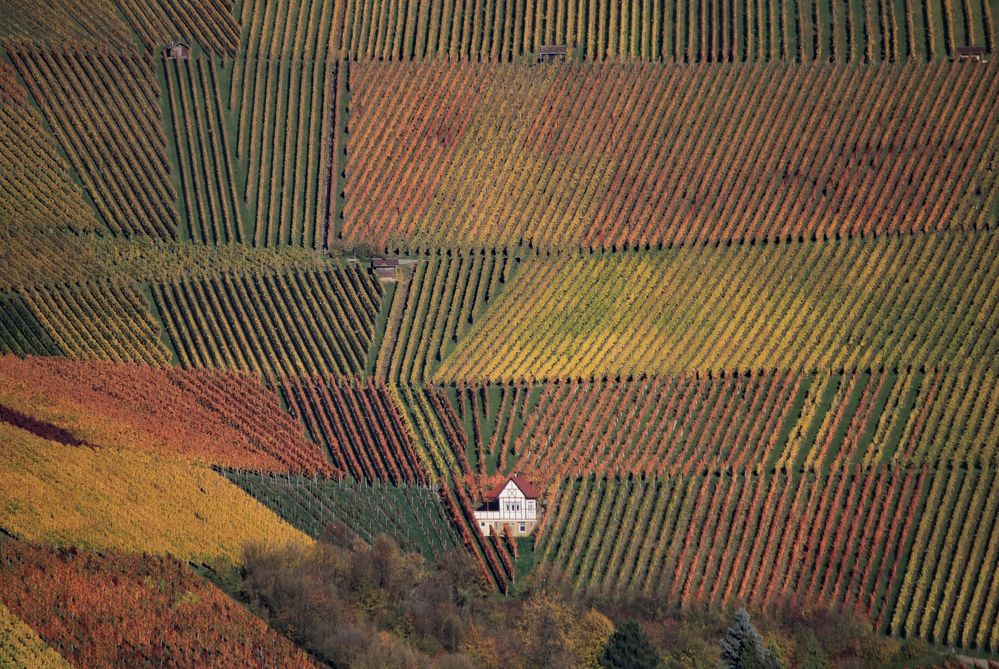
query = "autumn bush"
x=355 y=604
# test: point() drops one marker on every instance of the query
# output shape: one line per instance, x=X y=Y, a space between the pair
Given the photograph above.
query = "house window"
x=482 y=524
x=523 y=527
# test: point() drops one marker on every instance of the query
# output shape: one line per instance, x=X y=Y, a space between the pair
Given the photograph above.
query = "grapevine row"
x=680 y=30
x=916 y=555
x=36 y=188
x=65 y=22
x=290 y=141
x=434 y=304
x=359 y=425
x=210 y=23
x=20 y=332
x=200 y=139
x=98 y=321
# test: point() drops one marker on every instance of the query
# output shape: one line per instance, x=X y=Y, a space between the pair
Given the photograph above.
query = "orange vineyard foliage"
x=223 y=418
x=110 y=610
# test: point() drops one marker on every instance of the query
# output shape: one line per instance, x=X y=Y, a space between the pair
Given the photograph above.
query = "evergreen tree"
x=629 y=648
x=742 y=647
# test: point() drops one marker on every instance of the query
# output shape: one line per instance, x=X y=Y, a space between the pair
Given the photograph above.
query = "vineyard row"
x=433 y=305
x=98 y=321
x=290 y=142
x=103 y=108
x=37 y=191
x=200 y=140
x=769 y=421
x=360 y=426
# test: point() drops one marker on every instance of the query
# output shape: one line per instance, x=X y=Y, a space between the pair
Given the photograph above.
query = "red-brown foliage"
x=359 y=424
x=11 y=90
x=124 y=610
x=225 y=418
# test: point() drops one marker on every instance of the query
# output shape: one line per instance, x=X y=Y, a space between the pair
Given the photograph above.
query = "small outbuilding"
x=513 y=502
x=553 y=53
x=384 y=269
x=975 y=54
x=178 y=50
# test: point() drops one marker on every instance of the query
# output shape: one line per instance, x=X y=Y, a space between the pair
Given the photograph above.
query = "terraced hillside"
x=722 y=285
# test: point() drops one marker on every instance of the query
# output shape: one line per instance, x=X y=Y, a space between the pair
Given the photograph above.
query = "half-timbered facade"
x=513 y=502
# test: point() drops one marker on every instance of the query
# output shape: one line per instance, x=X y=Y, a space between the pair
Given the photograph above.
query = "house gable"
x=522 y=486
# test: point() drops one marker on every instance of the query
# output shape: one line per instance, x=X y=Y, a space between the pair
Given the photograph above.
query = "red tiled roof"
x=530 y=492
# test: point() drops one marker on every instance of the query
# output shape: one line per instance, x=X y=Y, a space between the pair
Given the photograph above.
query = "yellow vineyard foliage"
x=852 y=304
x=127 y=501
x=21 y=647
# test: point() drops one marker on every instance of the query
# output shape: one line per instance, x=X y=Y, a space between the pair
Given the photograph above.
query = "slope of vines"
x=359 y=425
x=20 y=332
x=103 y=108
x=37 y=191
x=209 y=416
x=610 y=156
x=281 y=324
x=201 y=142
x=116 y=608
x=915 y=299
x=209 y=23
x=109 y=499
x=916 y=542
x=410 y=514
x=20 y=646
x=98 y=321
x=289 y=142
x=678 y=30
x=755 y=422
x=63 y=22
x=435 y=303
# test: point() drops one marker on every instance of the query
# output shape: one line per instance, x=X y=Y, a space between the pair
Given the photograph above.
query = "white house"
x=513 y=502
